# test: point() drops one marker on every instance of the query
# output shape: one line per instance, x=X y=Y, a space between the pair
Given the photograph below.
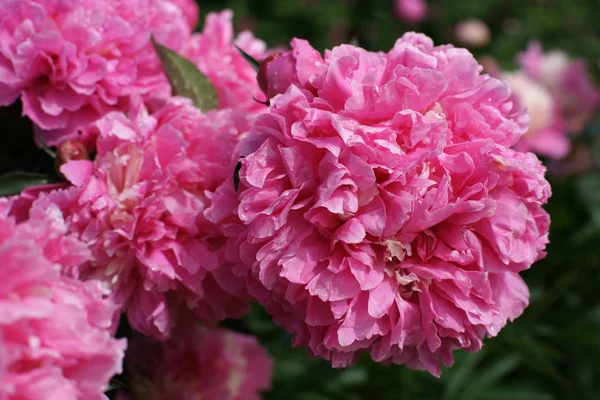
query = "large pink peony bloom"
x=214 y=54
x=139 y=206
x=567 y=80
x=54 y=337
x=380 y=207
x=72 y=61
x=198 y=363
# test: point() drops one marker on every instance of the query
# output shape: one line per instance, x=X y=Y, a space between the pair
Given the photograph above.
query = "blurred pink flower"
x=546 y=134
x=214 y=54
x=411 y=11
x=54 y=338
x=73 y=61
x=381 y=209
x=472 y=32
x=198 y=363
x=567 y=80
x=139 y=206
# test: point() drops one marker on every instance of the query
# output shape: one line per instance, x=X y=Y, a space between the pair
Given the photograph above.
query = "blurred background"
x=553 y=350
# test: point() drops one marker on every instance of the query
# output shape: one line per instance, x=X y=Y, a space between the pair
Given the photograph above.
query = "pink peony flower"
x=198 y=362
x=546 y=134
x=139 y=206
x=190 y=11
x=472 y=32
x=282 y=69
x=381 y=209
x=214 y=53
x=567 y=81
x=73 y=61
x=54 y=337
x=411 y=11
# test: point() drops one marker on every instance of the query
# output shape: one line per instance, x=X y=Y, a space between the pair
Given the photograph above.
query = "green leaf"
x=461 y=375
x=186 y=80
x=517 y=393
x=485 y=380
x=15 y=182
x=251 y=60
x=115 y=384
x=45 y=147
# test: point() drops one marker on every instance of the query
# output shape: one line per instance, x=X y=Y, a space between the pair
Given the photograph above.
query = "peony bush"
x=187 y=193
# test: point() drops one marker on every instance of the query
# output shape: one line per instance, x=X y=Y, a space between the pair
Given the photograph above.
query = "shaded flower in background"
x=559 y=96
x=215 y=55
x=567 y=80
x=380 y=206
x=73 y=61
x=197 y=363
x=55 y=342
x=473 y=33
x=547 y=133
x=139 y=206
x=411 y=11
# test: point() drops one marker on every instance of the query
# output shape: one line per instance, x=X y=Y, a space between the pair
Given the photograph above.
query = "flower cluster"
x=381 y=208
x=372 y=202
x=54 y=336
x=126 y=232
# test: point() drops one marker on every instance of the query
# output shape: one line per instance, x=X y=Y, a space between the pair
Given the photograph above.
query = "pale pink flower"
x=411 y=11
x=73 y=61
x=472 y=32
x=139 y=206
x=214 y=54
x=198 y=363
x=54 y=338
x=381 y=209
x=546 y=134
x=567 y=80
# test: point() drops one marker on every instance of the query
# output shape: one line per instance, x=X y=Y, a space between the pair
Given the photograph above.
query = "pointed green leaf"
x=186 y=80
x=251 y=60
x=115 y=384
x=45 y=147
x=15 y=182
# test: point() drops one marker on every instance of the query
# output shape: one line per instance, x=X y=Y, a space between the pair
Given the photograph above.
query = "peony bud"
x=72 y=150
x=272 y=71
